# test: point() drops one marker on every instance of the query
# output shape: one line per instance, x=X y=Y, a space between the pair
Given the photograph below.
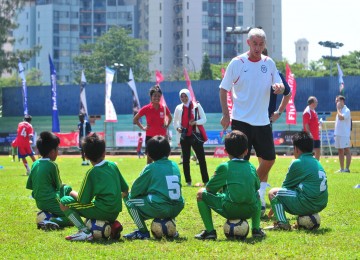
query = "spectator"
x=84 y=128
x=311 y=124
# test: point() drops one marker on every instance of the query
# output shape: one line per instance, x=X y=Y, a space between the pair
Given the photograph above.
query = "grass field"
x=337 y=238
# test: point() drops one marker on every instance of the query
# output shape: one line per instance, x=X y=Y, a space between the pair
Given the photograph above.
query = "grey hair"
x=257 y=32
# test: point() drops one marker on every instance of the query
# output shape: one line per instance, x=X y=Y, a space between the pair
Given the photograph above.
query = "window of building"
x=187 y=19
x=205 y=19
x=304 y=48
x=205 y=33
x=160 y=6
x=38 y=14
x=111 y=3
x=38 y=27
x=38 y=40
x=27 y=15
x=240 y=20
x=27 y=28
x=205 y=6
x=188 y=5
x=187 y=33
x=160 y=60
x=187 y=46
x=160 y=33
x=240 y=7
x=160 y=46
x=160 y=19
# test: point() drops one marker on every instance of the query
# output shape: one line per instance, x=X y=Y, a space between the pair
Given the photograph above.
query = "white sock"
x=262 y=190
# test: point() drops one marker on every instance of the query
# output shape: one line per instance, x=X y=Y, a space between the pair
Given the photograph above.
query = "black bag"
x=197 y=138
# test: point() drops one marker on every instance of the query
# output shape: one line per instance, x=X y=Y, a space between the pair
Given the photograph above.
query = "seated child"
x=232 y=191
x=156 y=193
x=304 y=190
x=100 y=195
x=45 y=183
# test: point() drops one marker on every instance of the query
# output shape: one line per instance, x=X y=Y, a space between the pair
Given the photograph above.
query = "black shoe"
x=258 y=233
x=205 y=235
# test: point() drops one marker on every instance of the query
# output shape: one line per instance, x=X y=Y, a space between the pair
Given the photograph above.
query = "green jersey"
x=237 y=180
x=307 y=177
x=44 y=180
x=160 y=181
x=102 y=187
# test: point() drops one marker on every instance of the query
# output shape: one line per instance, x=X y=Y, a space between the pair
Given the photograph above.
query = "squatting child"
x=156 y=193
x=304 y=190
x=100 y=195
x=45 y=182
x=232 y=191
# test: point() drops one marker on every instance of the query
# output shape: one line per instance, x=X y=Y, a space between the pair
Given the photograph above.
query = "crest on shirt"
x=161 y=114
x=263 y=69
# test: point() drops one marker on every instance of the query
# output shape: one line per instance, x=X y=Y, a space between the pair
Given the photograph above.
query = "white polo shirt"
x=251 y=83
x=343 y=127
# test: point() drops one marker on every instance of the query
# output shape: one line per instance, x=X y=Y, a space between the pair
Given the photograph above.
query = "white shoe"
x=80 y=236
x=48 y=225
x=84 y=163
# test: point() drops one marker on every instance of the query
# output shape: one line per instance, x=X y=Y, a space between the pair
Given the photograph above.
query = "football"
x=310 y=222
x=163 y=228
x=99 y=228
x=43 y=215
x=236 y=229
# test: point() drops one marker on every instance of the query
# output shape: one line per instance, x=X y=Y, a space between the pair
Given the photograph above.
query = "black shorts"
x=259 y=137
x=316 y=143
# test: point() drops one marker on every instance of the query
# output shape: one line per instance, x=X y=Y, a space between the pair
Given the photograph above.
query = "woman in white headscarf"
x=185 y=123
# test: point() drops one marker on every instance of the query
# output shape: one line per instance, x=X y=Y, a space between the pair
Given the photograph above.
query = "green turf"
x=337 y=237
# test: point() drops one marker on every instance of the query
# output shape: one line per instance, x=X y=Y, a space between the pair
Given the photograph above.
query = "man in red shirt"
x=23 y=141
x=311 y=124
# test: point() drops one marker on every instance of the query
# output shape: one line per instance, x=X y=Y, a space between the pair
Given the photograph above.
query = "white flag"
x=83 y=105
x=136 y=102
x=110 y=113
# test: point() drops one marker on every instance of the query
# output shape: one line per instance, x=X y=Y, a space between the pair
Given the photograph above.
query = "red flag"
x=159 y=77
x=188 y=84
x=222 y=72
x=290 y=108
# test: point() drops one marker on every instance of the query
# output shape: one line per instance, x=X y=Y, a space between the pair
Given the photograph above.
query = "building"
x=179 y=32
x=302 y=52
x=61 y=26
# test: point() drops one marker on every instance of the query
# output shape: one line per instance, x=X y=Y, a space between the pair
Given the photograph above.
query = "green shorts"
x=90 y=211
x=227 y=209
x=295 y=205
x=149 y=210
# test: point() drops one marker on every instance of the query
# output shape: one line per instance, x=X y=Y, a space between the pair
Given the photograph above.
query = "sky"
x=320 y=20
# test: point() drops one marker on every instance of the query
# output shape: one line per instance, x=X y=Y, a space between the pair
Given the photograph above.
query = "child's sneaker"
x=137 y=234
x=80 y=236
x=48 y=225
x=279 y=226
x=258 y=233
x=116 y=229
x=205 y=235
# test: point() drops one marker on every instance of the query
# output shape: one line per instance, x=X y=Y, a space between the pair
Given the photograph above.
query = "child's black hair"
x=154 y=89
x=303 y=141
x=236 y=143
x=27 y=118
x=94 y=147
x=158 y=147
x=47 y=142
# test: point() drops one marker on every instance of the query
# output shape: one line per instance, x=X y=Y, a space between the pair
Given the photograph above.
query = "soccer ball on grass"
x=236 y=229
x=163 y=228
x=99 y=228
x=43 y=215
x=311 y=222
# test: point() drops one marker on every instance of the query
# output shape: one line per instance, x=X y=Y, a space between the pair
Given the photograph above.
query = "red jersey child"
x=139 y=145
x=23 y=141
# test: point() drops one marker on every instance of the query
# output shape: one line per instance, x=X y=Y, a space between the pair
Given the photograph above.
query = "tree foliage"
x=115 y=46
x=9 y=59
x=206 y=72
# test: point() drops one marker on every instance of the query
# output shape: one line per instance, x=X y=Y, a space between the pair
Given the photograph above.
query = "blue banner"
x=24 y=88
x=55 y=115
